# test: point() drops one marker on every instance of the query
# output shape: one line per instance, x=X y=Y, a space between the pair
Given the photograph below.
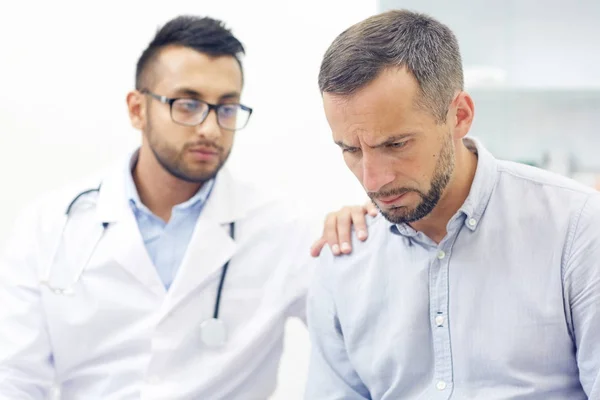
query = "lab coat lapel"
x=210 y=246
x=123 y=241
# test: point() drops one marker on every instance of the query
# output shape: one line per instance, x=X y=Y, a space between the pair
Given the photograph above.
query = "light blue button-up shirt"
x=167 y=243
x=507 y=306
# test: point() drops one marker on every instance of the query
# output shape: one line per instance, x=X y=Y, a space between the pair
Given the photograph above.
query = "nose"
x=209 y=128
x=376 y=173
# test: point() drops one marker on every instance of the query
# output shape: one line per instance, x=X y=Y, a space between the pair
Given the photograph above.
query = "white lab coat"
x=122 y=335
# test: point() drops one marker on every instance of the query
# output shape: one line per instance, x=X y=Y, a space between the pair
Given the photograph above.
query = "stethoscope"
x=45 y=280
x=213 y=331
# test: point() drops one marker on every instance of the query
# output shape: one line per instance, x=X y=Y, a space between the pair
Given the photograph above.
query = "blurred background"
x=530 y=65
x=532 y=68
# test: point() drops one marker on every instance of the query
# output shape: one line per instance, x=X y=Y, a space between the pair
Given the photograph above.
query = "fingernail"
x=345 y=246
x=336 y=249
x=361 y=234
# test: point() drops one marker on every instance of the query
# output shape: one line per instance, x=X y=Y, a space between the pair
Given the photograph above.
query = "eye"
x=187 y=105
x=397 y=145
x=350 y=150
x=228 y=110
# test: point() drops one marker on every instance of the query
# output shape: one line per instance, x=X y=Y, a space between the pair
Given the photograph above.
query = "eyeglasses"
x=192 y=112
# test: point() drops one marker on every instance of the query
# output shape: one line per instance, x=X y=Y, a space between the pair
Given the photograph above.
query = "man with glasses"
x=170 y=278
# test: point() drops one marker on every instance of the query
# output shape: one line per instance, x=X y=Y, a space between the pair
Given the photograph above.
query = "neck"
x=454 y=196
x=158 y=189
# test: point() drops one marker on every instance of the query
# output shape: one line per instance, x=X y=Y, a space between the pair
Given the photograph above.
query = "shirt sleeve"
x=26 y=370
x=331 y=374
x=582 y=287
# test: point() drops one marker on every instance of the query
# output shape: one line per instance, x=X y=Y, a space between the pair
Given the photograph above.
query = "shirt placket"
x=439 y=289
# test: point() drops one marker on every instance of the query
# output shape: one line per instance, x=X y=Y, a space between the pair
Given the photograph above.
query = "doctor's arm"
x=26 y=371
x=582 y=288
x=330 y=374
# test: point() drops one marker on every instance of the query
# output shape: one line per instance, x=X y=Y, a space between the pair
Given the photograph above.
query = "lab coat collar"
x=228 y=200
x=210 y=246
x=112 y=203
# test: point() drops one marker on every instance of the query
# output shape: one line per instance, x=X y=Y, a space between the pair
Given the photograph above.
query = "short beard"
x=172 y=167
x=171 y=160
x=442 y=174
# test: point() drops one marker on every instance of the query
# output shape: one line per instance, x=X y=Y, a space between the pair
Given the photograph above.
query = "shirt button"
x=439 y=320
x=472 y=222
x=441 y=254
x=441 y=385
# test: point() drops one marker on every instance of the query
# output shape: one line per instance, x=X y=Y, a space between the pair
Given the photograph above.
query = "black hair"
x=203 y=34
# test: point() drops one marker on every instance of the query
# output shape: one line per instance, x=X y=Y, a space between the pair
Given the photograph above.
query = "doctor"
x=168 y=278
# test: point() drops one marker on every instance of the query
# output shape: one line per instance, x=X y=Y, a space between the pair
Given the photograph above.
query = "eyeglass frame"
x=171 y=100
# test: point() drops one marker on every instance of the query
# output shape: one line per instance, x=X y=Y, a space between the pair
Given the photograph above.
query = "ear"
x=464 y=111
x=137 y=109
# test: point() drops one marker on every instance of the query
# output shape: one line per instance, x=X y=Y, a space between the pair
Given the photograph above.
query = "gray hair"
x=398 y=38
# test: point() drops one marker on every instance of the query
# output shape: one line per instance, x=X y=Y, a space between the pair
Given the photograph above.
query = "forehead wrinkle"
x=363 y=127
x=360 y=126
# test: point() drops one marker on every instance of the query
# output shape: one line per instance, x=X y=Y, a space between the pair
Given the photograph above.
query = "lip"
x=390 y=200
x=203 y=149
x=204 y=153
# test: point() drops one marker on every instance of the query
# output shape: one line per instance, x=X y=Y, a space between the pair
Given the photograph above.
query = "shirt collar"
x=483 y=184
x=479 y=194
x=133 y=196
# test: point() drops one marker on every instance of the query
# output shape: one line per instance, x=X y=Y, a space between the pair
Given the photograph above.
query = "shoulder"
x=585 y=225
x=334 y=269
x=267 y=203
x=540 y=191
x=53 y=203
x=533 y=177
x=39 y=222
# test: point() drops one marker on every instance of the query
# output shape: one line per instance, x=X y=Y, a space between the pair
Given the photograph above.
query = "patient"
x=481 y=279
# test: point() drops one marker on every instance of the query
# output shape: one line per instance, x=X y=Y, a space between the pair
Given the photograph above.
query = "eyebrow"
x=194 y=93
x=388 y=141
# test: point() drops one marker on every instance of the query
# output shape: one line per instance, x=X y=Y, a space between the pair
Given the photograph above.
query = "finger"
x=360 y=223
x=371 y=208
x=344 y=229
x=330 y=234
x=315 y=249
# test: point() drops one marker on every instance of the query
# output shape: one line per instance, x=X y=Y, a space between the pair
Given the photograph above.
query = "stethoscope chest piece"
x=213 y=332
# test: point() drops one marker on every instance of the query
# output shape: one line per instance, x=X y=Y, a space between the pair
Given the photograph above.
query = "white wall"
x=66 y=66
x=545 y=97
